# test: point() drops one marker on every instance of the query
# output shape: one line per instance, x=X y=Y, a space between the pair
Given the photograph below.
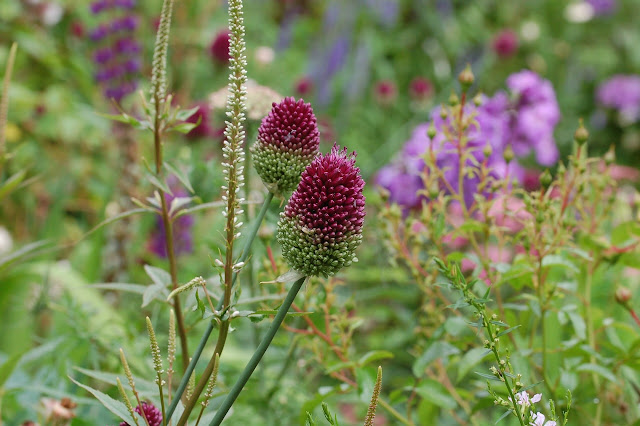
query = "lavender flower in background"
x=526 y=121
x=182 y=228
x=117 y=53
x=386 y=10
x=622 y=94
x=536 y=116
x=602 y=7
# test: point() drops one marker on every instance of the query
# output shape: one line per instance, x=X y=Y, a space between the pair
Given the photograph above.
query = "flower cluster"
x=153 y=415
x=622 y=94
x=288 y=140
x=522 y=121
x=321 y=226
x=182 y=229
x=117 y=55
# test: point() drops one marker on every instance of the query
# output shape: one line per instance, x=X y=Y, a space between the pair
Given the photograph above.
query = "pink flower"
x=505 y=43
x=219 y=48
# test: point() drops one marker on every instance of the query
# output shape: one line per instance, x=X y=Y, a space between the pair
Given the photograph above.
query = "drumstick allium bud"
x=321 y=227
x=288 y=140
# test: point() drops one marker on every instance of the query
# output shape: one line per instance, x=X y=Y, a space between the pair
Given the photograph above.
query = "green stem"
x=160 y=382
x=224 y=328
x=257 y=356
x=592 y=338
x=394 y=412
x=185 y=379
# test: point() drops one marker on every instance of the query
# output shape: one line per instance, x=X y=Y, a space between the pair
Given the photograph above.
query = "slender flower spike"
x=288 y=140
x=321 y=227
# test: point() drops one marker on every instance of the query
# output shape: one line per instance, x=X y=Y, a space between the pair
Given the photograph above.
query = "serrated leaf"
x=116 y=407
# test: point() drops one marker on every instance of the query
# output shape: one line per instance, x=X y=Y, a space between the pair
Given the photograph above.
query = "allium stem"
x=258 y=354
x=196 y=356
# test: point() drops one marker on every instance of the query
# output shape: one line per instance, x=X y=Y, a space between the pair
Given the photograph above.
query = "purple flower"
x=621 y=93
x=288 y=140
x=536 y=115
x=321 y=227
x=603 y=7
x=505 y=43
x=219 y=48
x=182 y=229
x=117 y=55
x=203 y=129
x=153 y=415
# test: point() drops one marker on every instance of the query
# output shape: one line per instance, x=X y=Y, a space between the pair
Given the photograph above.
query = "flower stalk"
x=258 y=354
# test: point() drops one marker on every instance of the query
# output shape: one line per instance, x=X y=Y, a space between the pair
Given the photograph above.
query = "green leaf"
x=184 y=114
x=557 y=260
x=506 y=413
x=508 y=330
x=181 y=176
x=366 y=380
x=159 y=184
x=488 y=376
x=553 y=337
x=158 y=276
x=131 y=288
x=23 y=252
x=438 y=349
x=578 y=324
x=154 y=291
x=374 y=356
x=599 y=370
x=183 y=128
x=116 y=407
x=12 y=183
x=7 y=368
x=470 y=360
x=435 y=392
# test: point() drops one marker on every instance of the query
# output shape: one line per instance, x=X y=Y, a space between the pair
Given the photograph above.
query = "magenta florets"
x=153 y=415
x=288 y=140
x=321 y=226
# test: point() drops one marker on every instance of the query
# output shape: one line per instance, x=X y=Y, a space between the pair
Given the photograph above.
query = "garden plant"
x=437 y=222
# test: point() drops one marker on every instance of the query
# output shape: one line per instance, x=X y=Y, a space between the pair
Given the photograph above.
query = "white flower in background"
x=51 y=14
x=579 y=12
x=538 y=420
x=264 y=55
x=6 y=243
x=530 y=30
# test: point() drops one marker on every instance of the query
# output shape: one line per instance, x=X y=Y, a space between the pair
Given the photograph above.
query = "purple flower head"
x=621 y=93
x=536 y=115
x=603 y=7
x=153 y=415
x=182 y=228
x=203 y=129
x=385 y=92
x=505 y=43
x=117 y=54
x=219 y=48
x=288 y=140
x=321 y=226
